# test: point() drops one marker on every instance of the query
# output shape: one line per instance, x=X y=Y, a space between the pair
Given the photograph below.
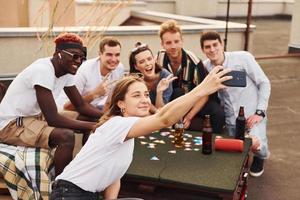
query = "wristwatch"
x=260 y=113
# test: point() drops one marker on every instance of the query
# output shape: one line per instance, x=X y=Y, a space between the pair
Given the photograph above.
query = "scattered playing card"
x=188 y=135
x=143 y=143
x=171 y=136
x=142 y=137
x=154 y=158
x=162 y=142
x=187 y=145
x=164 y=133
x=159 y=141
x=187 y=149
x=152 y=138
x=151 y=146
x=172 y=151
x=197 y=141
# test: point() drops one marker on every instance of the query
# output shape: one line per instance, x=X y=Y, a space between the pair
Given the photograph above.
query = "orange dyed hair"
x=68 y=37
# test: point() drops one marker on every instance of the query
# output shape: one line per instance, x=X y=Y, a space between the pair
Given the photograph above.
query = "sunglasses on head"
x=136 y=74
x=141 y=46
x=75 y=56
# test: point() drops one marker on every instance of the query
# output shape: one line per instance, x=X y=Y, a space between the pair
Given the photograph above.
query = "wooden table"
x=186 y=174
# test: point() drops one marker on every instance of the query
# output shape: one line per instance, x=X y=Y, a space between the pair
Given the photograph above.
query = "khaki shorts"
x=34 y=132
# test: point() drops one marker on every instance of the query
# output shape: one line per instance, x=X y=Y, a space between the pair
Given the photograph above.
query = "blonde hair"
x=118 y=94
x=169 y=26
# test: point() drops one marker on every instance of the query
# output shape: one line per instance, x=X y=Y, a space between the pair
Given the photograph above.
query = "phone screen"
x=238 y=79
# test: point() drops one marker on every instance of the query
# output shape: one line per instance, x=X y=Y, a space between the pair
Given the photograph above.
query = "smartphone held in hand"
x=238 y=79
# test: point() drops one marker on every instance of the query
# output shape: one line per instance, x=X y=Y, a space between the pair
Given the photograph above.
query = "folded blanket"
x=27 y=171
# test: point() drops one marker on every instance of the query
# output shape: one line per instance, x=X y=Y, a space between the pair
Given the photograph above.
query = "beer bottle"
x=178 y=135
x=207 y=136
x=240 y=125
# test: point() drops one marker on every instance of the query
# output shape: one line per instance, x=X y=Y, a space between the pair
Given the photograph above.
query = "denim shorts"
x=66 y=190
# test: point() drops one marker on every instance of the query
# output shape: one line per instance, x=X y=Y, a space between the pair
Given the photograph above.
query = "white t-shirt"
x=104 y=158
x=20 y=98
x=87 y=78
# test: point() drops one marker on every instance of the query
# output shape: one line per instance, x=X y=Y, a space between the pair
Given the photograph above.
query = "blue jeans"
x=62 y=189
x=260 y=131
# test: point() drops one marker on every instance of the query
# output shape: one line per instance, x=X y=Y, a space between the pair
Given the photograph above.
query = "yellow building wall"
x=14 y=13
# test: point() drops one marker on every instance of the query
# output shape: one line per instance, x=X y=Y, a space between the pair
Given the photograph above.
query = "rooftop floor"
x=282 y=173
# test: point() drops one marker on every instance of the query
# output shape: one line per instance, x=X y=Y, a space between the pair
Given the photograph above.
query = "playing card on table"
x=172 y=151
x=151 y=146
x=154 y=158
x=188 y=135
x=152 y=138
x=164 y=133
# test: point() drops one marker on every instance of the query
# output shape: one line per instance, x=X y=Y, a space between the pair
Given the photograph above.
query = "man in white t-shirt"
x=28 y=113
x=96 y=77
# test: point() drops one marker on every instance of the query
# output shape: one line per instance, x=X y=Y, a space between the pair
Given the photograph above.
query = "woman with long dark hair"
x=157 y=79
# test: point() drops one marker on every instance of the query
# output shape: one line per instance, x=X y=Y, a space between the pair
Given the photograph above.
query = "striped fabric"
x=26 y=171
x=190 y=73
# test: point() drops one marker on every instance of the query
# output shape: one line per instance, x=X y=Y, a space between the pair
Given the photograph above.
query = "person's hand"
x=164 y=83
x=252 y=120
x=255 y=143
x=213 y=81
x=103 y=88
x=186 y=122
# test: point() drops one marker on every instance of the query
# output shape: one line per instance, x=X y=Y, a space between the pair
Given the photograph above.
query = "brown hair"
x=139 y=47
x=119 y=92
x=169 y=26
x=109 y=41
x=68 y=37
x=210 y=35
x=3 y=89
